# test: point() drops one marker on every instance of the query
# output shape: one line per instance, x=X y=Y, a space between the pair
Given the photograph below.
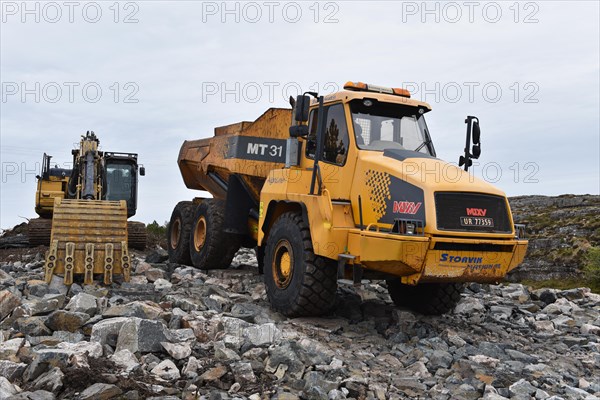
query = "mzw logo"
x=406 y=207
x=476 y=212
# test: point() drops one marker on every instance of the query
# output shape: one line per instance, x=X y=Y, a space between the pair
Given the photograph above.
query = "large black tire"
x=136 y=235
x=210 y=246
x=426 y=298
x=260 y=258
x=40 y=230
x=178 y=233
x=309 y=286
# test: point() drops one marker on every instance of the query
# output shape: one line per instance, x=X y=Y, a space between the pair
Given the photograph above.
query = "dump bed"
x=249 y=149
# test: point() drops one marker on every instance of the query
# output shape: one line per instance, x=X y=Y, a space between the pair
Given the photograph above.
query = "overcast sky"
x=147 y=75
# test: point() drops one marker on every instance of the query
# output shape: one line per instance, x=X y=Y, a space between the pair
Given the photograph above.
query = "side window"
x=311 y=143
x=335 y=146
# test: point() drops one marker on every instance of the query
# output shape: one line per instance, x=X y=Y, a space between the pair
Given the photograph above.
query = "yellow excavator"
x=83 y=213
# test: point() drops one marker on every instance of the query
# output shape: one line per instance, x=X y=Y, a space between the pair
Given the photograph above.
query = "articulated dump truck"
x=83 y=214
x=344 y=186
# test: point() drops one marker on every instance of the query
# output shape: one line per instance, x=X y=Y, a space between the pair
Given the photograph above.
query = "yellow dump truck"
x=344 y=186
x=83 y=213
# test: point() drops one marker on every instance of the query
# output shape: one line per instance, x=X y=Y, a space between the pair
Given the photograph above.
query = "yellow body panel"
x=47 y=191
x=393 y=254
x=430 y=175
x=199 y=157
x=334 y=231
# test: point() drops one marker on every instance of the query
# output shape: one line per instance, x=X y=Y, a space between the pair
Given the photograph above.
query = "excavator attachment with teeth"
x=88 y=237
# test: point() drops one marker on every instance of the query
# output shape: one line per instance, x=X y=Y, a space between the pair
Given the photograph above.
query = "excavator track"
x=136 y=234
x=40 y=231
x=88 y=237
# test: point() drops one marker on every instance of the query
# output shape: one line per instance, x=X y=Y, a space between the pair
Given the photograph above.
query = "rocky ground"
x=561 y=229
x=178 y=332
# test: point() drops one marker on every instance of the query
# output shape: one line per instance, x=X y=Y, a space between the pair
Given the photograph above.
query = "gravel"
x=178 y=332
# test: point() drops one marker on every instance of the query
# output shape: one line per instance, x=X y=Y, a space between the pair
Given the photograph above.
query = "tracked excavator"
x=83 y=213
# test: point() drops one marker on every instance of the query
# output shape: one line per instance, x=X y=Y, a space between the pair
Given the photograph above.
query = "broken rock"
x=8 y=302
x=166 y=370
x=125 y=359
x=178 y=351
x=243 y=373
x=83 y=303
x=141 y=335
x=66 y=320
x=100 y=391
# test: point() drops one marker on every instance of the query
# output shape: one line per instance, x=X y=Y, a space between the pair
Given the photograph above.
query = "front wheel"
x=426 y=298
x=298 y=282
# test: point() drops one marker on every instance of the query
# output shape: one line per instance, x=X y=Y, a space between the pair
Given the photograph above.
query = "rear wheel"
x=136 y=235
x=426 y=298
x=210 y=246
x=40 y=230
x=178 y=233
x=298 y=282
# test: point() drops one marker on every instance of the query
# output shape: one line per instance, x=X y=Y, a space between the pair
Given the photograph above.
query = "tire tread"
x=220 y=246
x=426 y=298
x=181 y=254
x=319 y=284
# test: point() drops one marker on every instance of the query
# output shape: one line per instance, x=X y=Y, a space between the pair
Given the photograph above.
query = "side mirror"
x=476 y=133
x=473 y=136
x=142 y=171
x=302 y=105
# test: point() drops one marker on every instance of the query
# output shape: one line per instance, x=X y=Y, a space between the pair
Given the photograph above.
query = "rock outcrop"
x=561 y=229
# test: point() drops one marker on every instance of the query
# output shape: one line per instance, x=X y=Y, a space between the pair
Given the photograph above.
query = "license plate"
x=476 y=221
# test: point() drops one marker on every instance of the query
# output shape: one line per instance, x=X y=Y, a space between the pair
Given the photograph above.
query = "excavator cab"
x=120 y=179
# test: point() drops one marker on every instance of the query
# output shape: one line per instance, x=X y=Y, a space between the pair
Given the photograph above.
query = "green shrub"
x=156 y=229
x=592 y=265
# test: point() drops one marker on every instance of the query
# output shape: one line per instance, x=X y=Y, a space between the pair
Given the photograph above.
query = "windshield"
x=380 y=126
x=119 y=182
